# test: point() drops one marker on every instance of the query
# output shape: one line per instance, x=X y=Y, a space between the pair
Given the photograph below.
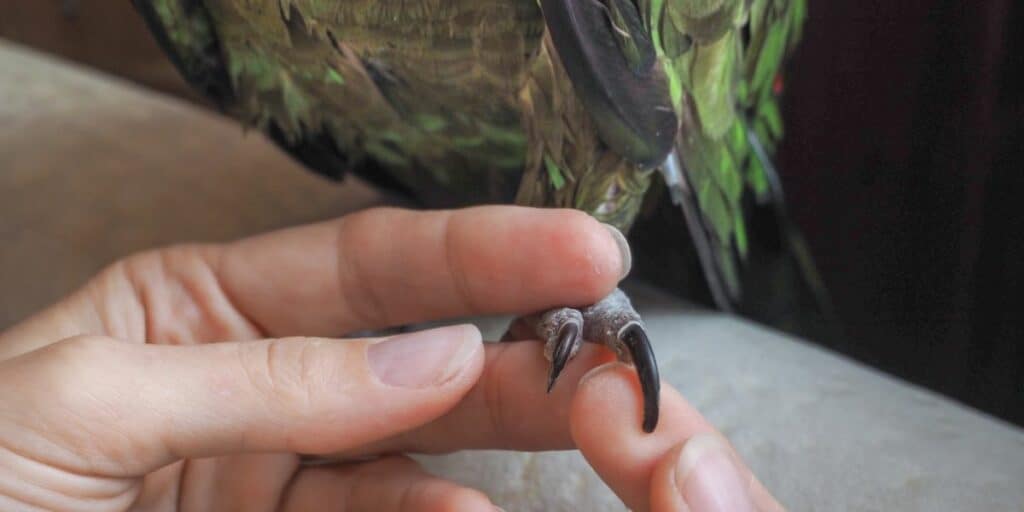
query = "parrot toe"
x=635 y=339
x=612 y=322
x=563 y=330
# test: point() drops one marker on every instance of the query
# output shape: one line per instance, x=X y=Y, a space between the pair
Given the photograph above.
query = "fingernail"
x=425 y=358
x=626 y=256
x=708 y=479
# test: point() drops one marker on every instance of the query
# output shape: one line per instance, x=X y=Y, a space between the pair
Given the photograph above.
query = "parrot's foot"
x=612 y=322
x=562 y=329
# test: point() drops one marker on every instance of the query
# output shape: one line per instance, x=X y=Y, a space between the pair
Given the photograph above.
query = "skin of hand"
x=189 y=378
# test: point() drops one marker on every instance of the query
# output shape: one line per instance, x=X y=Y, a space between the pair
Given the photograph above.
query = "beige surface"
x=102 y=34
x=92 y=169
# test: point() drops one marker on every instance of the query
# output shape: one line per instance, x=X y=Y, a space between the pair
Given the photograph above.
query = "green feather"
x=554 y=173
x=468 y=98
x=768 y=111
x=333 y=77
x=770 y=56
x=721 y=58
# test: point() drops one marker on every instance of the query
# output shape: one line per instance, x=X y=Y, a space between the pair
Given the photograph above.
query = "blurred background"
x=902 y=162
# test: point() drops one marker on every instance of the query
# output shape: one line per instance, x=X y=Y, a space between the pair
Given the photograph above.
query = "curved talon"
x=639 y=346
x=568 y=340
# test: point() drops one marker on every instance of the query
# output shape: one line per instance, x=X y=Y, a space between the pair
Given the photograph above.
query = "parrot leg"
x=611 y=322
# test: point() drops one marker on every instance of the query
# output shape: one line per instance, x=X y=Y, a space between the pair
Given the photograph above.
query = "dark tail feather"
x=790 y=234
x=726 y=297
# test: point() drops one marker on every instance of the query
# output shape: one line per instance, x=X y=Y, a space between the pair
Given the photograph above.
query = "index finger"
x=388 y=267
x=369 y=270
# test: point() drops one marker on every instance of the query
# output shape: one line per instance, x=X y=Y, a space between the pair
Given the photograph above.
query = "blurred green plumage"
x=466 y=101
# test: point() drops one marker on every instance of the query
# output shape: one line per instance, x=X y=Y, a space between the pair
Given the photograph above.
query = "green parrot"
x=555 y=103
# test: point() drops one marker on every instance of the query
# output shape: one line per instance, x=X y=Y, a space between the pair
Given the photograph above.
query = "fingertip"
x=453 y=498
x=430 y=358
x=606 y=416
x=613 y=391
x=388 y=266
x=604 y=423
x=597 y=253
x=537 y=257
x=609 y=389
x=707 y=476
x=471 y=333
x=625 y=253
x=473 y=357
x=666 y=496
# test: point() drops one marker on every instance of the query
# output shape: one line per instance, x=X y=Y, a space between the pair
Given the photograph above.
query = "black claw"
x=567 y=336
x=639 y=347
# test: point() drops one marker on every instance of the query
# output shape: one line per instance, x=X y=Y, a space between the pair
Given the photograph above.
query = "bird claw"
x=612 y=322
x=635 y=339
x=566 y=345
x=562 y=329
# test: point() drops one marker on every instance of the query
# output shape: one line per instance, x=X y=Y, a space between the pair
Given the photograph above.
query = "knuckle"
x=283 y=371
x=144 y=265
x=183 y=299
x=170 y=295
x=456 y=265
x=494 y=392
x=360 y=294
x=78 y=370
x=83 y=353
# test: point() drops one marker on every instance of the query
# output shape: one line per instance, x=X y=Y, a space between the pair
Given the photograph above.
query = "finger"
x=395 y=484
x=131 y=408
x=387 y=267
x=604 y=428
x=705 y=474
x=238 y=482
x=373 y=269
x=508 y=407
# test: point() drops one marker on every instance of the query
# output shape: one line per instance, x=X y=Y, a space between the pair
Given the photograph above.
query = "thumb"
x=124 y=409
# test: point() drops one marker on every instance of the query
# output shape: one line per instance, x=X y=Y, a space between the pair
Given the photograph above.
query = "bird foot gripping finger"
x=615 y=323
x=562 y=331
x=612 y=322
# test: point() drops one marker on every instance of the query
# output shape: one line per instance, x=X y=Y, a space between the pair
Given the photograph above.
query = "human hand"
x=173 y=380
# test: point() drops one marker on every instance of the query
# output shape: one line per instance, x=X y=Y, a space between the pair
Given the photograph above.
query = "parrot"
x=604 y=106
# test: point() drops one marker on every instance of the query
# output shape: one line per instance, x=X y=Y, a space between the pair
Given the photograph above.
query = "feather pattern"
x=723 y=59
x=468 y=101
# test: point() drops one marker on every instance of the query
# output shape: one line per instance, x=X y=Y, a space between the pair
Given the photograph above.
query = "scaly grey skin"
x=612 y=322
